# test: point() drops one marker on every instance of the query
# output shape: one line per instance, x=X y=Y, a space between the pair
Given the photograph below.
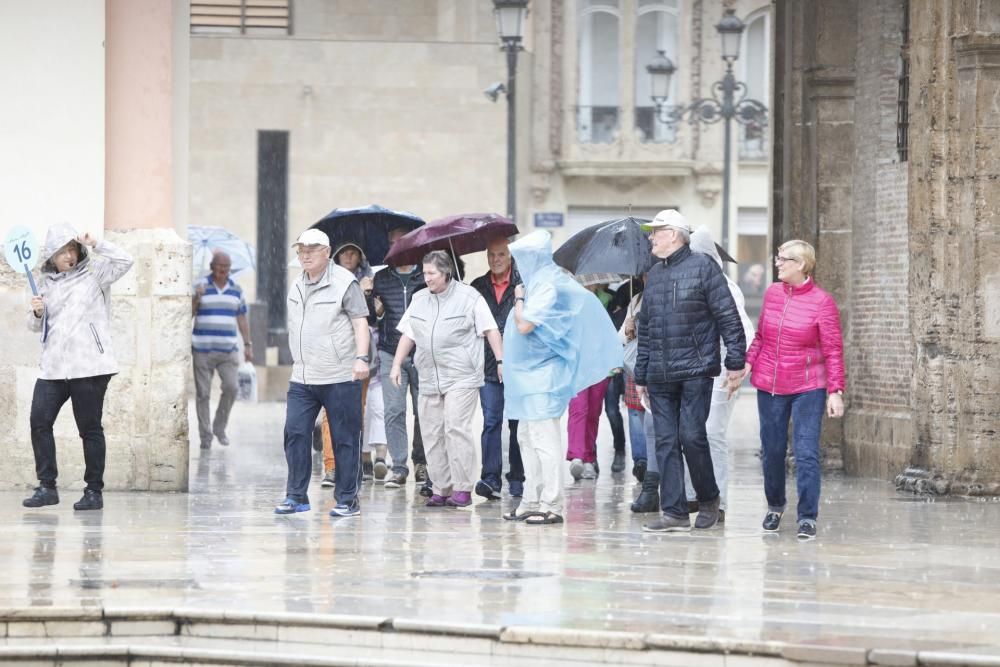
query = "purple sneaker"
x=459 y=499
x=436 y=501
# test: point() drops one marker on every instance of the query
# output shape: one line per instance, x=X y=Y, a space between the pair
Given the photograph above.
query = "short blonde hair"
x=800 y=251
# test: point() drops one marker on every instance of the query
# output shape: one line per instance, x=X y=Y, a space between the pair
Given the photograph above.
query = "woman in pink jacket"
x=796 y=363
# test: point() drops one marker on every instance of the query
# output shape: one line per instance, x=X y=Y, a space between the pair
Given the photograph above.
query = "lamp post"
x=728 y=101
x=510 y=15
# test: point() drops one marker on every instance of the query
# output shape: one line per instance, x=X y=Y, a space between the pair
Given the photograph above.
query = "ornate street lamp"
x=510 y=15
x=728 y=102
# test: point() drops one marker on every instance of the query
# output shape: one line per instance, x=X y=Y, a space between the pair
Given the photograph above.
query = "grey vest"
x=320 y=334
x=449 y=352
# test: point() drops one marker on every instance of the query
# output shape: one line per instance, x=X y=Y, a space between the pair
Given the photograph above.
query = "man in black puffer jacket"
x=497 y=287
x=686 y=307
x=392 y=291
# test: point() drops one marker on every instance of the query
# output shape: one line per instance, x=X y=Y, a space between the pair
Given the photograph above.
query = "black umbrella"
x=617 y=246
x=368 y=227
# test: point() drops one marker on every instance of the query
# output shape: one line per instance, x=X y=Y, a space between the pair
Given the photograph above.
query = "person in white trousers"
x=559 y=341
x=722 y=400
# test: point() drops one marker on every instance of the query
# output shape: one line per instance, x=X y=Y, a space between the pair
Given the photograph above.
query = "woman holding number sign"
x=71 y=313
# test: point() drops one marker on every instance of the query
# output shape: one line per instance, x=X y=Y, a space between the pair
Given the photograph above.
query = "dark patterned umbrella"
x=617 y=246
x=462 y=234
x=368 y=227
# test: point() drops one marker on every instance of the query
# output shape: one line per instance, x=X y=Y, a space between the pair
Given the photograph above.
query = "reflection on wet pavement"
x=887 y=570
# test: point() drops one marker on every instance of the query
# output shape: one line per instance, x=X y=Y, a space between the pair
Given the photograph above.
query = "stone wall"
x=954 y=203
x=145 y=412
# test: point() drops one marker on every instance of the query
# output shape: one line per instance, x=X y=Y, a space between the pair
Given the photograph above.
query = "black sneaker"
x=807 y=531
x=91 y=500
x=618 y=464
x=427 y=489
x=487 y=490
x=771 y=522
x=639 y=469
x=43 y=496
x=722 y=516
x=367 y=471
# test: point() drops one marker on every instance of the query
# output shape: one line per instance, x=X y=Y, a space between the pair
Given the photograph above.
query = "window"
x=656 y=28
x=241 y=17
x=903 y=89
x=755 y=64
x=598 y=103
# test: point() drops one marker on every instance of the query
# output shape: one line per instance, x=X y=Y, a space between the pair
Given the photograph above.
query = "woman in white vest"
x=447 y=322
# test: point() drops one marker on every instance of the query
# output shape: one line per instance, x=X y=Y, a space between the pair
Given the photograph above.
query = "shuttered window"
x=242 y=17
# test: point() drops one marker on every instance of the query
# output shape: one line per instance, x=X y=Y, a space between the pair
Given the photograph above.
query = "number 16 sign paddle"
x=21 y=251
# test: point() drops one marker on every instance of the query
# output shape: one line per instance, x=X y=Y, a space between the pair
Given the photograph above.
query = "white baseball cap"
x=312 y=237
x=668 y=218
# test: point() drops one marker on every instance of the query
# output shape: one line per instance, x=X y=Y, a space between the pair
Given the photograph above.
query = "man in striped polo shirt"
x=219 y=309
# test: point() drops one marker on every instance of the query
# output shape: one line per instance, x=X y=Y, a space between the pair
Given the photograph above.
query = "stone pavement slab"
x=892 y=572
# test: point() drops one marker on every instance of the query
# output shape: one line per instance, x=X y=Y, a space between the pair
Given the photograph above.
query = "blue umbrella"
x=368 y=227
x=206 y=241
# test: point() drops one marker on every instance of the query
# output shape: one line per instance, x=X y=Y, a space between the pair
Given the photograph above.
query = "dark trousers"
x=613 y=409
x=806 y=413
x=491 y=398
x=342 y=401
x=680 y=410
x=87 y=395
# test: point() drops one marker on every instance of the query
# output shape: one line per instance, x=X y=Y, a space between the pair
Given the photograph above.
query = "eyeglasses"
x=305 y=252
x=781 y=260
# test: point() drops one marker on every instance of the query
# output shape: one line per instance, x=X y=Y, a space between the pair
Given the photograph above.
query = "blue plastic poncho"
x=573 y=345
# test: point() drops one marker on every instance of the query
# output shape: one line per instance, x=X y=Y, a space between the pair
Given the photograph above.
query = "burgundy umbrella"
x=462 y=234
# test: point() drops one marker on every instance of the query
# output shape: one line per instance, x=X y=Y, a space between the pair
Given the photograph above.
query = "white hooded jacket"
x=75 y=323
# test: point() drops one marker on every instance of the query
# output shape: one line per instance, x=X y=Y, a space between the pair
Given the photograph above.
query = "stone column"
x=814 y=113
x=954 y=279
x=146 y=410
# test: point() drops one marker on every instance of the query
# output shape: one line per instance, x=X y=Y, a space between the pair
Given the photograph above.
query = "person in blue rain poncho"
x=559 y=341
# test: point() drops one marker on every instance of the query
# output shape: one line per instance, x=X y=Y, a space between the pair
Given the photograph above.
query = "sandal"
x=514 y=516
x=539 y=519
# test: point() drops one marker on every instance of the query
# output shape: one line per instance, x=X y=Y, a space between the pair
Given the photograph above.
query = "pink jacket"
x=798 y=346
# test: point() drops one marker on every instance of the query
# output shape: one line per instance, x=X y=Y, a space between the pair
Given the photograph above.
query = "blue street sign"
x=551 y=219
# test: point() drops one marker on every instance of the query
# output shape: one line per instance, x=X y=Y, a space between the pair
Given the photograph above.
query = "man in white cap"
x=330 y=354
x=686 y=307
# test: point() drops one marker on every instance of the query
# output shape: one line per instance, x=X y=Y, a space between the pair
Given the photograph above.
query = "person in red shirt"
x=497 y=287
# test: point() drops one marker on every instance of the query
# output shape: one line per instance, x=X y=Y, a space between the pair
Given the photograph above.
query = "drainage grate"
x=481 y=575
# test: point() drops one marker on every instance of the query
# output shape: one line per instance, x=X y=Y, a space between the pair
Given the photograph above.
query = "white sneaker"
x=589 y=471
x=576 y=469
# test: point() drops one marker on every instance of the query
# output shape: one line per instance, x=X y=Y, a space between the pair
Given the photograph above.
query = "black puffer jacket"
x=500 y=310
x=395 y=290
x=686 y=306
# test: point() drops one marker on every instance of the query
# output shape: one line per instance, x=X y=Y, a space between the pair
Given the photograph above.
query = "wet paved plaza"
x=887 y=570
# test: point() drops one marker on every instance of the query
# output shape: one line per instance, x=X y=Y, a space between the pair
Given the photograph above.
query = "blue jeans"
x=613 y=411
x=680 y=410
x=491 y=398
x=637 y=433
x=343 y=408
x=806 y=412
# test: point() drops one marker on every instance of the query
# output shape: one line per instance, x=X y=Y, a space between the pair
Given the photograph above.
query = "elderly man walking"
x=219 y=310
x=686 y=307
x=328 y=337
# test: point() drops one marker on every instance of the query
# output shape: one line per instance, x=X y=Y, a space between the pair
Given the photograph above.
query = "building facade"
x=382 y=102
